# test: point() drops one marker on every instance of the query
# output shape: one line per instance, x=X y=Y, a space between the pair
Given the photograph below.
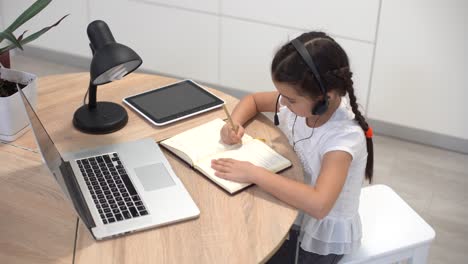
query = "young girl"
x=330 y=136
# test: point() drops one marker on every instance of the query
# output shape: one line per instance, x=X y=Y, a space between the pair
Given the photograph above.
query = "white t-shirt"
x=340 y=231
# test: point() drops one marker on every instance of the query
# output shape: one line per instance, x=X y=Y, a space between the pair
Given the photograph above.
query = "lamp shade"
x=112 y=63
x=111 y=60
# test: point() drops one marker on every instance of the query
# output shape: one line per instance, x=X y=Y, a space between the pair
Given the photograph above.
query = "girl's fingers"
x=220 y=165
x=235 y=137
x=221 y=169
x=225 y=161
x=240 y=132
x=221 y=174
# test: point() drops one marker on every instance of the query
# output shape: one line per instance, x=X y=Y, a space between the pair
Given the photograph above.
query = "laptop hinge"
x=77 y=197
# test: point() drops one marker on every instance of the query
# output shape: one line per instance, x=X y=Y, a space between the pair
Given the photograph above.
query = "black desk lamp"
x=111 y=61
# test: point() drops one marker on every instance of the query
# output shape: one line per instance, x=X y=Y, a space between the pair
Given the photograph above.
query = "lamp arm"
x=92 y=95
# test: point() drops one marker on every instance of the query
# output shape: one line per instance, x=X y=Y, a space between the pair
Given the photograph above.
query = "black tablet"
x=173 y=102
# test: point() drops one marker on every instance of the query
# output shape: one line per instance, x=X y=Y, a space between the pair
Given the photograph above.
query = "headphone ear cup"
x=320 y=108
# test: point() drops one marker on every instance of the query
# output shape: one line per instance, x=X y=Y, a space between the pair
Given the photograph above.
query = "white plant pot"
x=13 y=119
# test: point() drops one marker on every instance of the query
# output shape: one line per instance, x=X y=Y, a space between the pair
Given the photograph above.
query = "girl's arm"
x=316 y=201
x=252 y=104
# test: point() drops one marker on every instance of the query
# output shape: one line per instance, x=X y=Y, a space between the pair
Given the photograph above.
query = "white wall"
x=251 y=34
x=419 y=59
x=1 y=15
x=213 y=41
x=421 y=65
x=247 y=49
x=334 y=16
x=170 y=40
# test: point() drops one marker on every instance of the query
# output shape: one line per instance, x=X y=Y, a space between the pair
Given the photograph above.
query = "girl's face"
x=298 y=104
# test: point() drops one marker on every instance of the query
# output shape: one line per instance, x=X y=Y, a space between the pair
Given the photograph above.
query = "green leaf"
x=40 y=32
x=12 y=46
x=9 y=36
x=21 y=36
x=28 y=14
x=31 y=37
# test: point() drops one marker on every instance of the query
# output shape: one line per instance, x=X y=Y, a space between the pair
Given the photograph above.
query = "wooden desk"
x=245 y=228
x=37 y=225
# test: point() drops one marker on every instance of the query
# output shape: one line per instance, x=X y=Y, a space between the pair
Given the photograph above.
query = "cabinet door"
x=211 y=6
x=354 y=19
x=247 y=49
x=170 y=40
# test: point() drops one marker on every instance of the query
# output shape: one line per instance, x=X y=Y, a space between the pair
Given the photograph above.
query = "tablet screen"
x=173 y=102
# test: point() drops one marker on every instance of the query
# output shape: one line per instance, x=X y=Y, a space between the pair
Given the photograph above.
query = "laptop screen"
x=49 y=151
x=56 y=165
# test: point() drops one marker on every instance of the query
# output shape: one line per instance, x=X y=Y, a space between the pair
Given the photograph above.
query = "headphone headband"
x=308 y=60
x=321 y=107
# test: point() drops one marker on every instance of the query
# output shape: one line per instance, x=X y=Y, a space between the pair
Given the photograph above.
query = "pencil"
x=234 y=127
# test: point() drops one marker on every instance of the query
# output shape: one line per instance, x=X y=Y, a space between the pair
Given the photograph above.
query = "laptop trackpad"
x=154 y=176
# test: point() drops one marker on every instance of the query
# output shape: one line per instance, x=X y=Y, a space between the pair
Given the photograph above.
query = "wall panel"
x=247 y=50
x=211 y=6
x=171 y=41
x=421 y=63
x=354 y=19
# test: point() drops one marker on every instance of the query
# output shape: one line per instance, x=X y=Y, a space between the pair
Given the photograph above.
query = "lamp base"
x=107 y=117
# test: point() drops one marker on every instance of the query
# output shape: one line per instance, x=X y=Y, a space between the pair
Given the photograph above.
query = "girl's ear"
x=322 y=97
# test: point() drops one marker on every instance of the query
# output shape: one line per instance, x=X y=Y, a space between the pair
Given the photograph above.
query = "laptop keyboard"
x=113 y=193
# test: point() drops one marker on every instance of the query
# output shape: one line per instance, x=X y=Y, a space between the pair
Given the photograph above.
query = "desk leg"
x=420 y=255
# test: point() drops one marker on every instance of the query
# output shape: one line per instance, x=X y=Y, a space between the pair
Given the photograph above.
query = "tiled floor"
x=433 y=181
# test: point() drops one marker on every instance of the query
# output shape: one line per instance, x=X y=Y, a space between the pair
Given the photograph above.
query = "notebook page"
x=255 y=152
x=202 y=141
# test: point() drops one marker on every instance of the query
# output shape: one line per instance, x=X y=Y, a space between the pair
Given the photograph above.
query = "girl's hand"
x=229 y=136
x=234 y=170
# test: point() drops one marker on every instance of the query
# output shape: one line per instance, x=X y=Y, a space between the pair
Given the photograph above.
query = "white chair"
x=391 y=230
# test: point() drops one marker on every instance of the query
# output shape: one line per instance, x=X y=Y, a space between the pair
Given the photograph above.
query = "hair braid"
x=344 y=74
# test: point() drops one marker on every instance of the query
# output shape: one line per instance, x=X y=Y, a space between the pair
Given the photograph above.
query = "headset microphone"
x=276 y=111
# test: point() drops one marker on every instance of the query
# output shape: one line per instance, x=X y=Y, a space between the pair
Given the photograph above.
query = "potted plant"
x=13 y=119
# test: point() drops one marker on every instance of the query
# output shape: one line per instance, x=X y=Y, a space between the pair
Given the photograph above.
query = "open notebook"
x=199 y=145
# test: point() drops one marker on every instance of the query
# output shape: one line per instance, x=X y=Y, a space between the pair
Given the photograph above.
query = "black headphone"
x=322 y=106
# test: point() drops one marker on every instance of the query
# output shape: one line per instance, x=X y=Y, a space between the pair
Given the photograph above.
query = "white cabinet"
x=353 y=19
x=360 y=61
x=421 y=64
x=417 y=51
x=220 y=42
x=247 y=49
x=211 y=6
x=170 y=41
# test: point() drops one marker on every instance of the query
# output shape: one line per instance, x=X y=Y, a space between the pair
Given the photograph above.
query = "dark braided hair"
x=333 y=66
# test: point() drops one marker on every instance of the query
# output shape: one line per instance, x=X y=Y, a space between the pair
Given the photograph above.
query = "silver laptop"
x=116 y=189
